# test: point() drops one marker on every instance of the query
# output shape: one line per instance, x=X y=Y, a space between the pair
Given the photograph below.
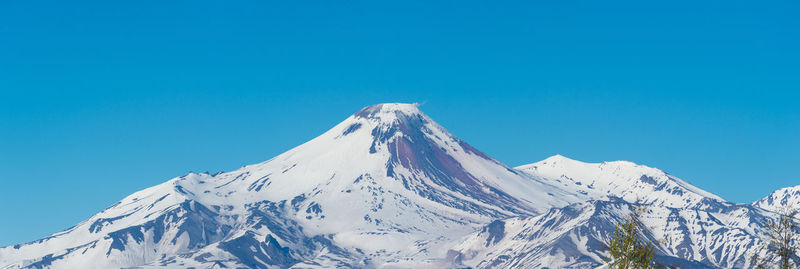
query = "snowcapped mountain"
x=390 y=188
x=386 y=186
x=780 y=199
x=622 y=179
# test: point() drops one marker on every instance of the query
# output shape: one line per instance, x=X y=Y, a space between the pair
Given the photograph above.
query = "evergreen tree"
x=781 y=237
x=627 y=249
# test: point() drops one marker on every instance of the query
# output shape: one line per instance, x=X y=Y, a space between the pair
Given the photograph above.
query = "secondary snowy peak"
x=788 y=197
x=622 y=179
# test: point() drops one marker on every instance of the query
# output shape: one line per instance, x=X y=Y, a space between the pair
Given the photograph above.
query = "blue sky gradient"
x=99 y=99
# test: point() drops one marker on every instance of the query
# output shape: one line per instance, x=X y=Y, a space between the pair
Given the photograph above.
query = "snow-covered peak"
x=561 y=160
x=390 y=113
x=557 y=159
x=623 y=179
x=781 y=198
x=388 y=109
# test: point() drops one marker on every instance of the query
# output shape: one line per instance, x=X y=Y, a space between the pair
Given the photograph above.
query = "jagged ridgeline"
x=389 y=187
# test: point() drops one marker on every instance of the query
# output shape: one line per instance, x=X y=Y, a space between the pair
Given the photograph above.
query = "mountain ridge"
x=625 y=179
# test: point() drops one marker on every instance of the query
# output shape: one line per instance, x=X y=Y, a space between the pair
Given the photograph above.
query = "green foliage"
x=781 y=242
x=627 y=249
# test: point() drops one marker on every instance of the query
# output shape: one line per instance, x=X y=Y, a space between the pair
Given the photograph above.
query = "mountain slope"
x=386 y=186
x=724 y=235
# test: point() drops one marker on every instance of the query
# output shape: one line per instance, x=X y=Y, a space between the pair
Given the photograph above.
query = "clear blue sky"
x=99 y=99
